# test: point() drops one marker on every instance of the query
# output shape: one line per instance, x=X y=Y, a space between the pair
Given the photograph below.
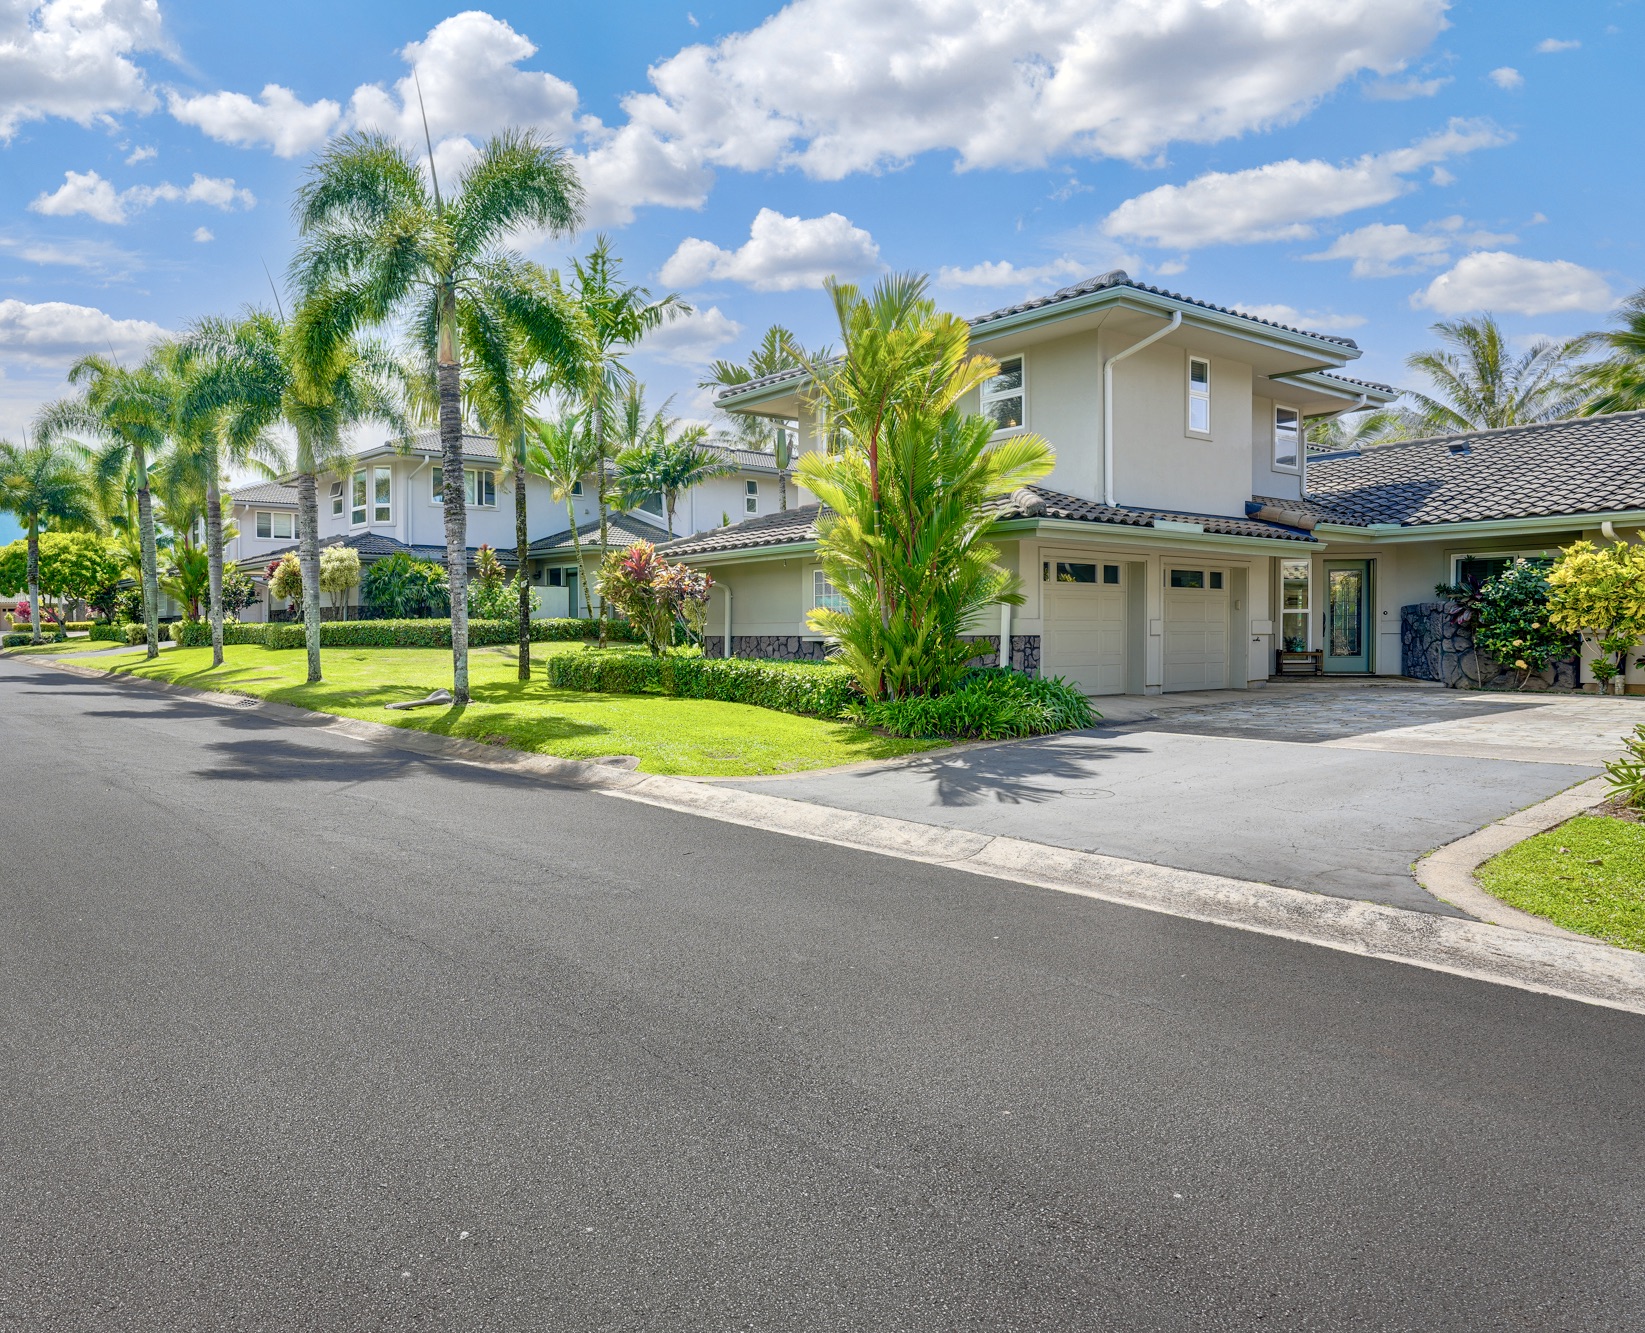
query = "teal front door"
x=1347 y=615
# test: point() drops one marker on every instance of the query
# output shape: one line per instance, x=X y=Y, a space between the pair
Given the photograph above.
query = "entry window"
x=381 y=491
x=1188 y=578
x=1002 y=395
x=336 y=499
x=1287 y=438
x=1110 y=573
x=824 y=595
x=357 y=499
x=556 y=577
x=1294 y=599
x=1199 y=395
x=1070 y=572
x=751 y=497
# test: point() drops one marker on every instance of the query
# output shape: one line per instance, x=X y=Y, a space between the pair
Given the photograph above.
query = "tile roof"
x=374 y=546
x=799 y=525
x=264 y=493
x=1586 y=465
x=622 y=531
x=1111 y=280
x=428 y=442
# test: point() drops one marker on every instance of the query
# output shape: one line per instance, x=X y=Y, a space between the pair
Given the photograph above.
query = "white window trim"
x=819 y=598
x=257 y=523
x=374 y=507
x=1205 y=571
x=435 y=501
x=1302 y=440
x=751 y=496
x=362 y=476
x=338 y=497
x=1457 y=557
x=1306 y=611
x=984 y=398
x=1188 y=427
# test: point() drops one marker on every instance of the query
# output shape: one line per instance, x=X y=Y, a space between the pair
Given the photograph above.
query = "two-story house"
x=1185 y=534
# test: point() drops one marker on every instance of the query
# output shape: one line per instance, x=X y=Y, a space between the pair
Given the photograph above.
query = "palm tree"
x=379 y=238
x=1480 y=384
x=778 y=350
x=253 y=371
x=513 y=353
x=563 y=451
x=666 y=459
x=1362 y=430
x=43 y=483
x=618 y=317
x=1616 y=384
x=129 y=413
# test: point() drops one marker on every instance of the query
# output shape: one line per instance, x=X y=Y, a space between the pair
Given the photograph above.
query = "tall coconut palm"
x=666 y=459
x=1481 y=384
x=1617 y=383
x=563 y=451
x=618 y=316
x=1362 y=430
x=380 y=237
x=514 y=352
x=778 y=350
x=254 y=372
x=128 y=413
x=44 y=484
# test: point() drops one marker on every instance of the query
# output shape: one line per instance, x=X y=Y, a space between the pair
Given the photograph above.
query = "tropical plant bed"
x=1587 y=875
x=690 y=737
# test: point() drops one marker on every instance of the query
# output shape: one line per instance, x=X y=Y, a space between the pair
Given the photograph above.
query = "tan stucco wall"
x=1266 y=479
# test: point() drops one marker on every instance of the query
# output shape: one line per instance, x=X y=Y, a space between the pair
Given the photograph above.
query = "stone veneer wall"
x=1433 y=647
x=1025 y=648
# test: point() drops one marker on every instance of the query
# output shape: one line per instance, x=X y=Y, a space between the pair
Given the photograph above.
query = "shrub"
x=139 y=633
x=129 y=605
x=285 y=578
x=403 y=587
x=239 y=592
x=80 y=626
x=818 y=689
x=1627 y=774
x=1599 y=593
x=653 y=594
x=990 y=704
x=104 y=632
x=18 y=639
x=339 y=572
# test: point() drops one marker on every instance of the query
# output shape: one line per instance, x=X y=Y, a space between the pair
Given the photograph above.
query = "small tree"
x=652 y=594
x=488 y=592
x=339 y=572
x=1514 y=622
x=1599 y=593
x=239 y=592
x=189 y=579
x=285 y=578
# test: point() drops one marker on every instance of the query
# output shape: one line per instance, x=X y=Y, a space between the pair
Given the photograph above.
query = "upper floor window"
x=271 y=524
x=479 y=487
x=1199 y=395
x=651 y=503
x=824 y=594
x=751 y=497
x=576 y=488
x=1287 y=438
x=1002 y=395
x=336 y=499
x=357 y=499
x=382 y=487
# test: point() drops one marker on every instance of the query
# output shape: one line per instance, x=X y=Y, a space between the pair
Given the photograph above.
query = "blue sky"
x=1363 y=167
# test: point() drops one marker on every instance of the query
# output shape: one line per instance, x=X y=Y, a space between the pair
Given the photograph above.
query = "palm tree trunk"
x=449 y=376
x=308 y=559
x=148 y=557
x=214 y=568
x=520 y=543
x=782 y=488
x=577 y=555
x=34 y=580
x=599 y=438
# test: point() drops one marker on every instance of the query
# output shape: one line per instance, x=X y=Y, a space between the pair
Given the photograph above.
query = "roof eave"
x=1484 y=527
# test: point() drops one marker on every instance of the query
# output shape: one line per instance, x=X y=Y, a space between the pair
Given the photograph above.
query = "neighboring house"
x=1185 y=535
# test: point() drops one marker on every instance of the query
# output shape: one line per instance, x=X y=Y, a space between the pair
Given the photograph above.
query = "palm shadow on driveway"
x=1029 y=772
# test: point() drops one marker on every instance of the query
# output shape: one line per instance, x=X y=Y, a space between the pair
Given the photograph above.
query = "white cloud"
x=1403 y=90
x=692 y=340
x=204 y=234
x=1316 y=321
x=143 y=154
x=78 y=252
x=1553 y=45
x=54 y=333
x=1282 y=200
x=277 y=118
x=1384 y=249
x=72 y=58
x=87 y=192
x=1499 y=281
x=1003 y=273
x=1170 y=268
x=782 y=254
x=1507 y=78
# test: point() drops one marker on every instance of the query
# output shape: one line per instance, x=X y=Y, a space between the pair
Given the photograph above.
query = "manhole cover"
x=1087 y=793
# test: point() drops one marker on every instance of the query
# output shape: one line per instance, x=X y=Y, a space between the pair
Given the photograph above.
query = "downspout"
x=1108 y=403
x=1302 y=463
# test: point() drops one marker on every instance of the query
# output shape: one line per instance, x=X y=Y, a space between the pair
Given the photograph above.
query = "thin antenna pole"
x=279 y=309
x=428 y=139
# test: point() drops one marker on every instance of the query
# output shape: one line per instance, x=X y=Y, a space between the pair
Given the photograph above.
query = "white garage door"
x=1196 y=629
x=1085 y=619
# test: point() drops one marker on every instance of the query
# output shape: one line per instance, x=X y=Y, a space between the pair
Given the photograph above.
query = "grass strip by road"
x=49 y=649
x=686 y=737
x=1587 y=875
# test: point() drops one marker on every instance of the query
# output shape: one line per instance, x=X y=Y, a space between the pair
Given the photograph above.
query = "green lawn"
x=70 y=646
x=686 y=736
x=1587 y=875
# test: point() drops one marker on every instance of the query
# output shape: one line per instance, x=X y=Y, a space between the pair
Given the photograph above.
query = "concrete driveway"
x=1328 y=787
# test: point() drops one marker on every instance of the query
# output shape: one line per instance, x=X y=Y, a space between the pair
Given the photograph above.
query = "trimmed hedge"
x=387 y=633
x=136 y=633
x=104 y=632
x=21 y=637
x=991 y=704
x=817 y=689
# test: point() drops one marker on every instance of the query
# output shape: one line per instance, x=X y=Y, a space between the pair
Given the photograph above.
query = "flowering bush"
x=1510 y=618
x=48 y=616
x=653 y=594
x=285 y=578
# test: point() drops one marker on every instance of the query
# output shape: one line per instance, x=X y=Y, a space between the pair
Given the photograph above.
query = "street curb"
x=1448 y=873
x=1570 y=967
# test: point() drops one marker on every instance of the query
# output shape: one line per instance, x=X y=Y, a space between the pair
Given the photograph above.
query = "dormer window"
x=1199 y=396
x=1287 y=438
x=1002 y=395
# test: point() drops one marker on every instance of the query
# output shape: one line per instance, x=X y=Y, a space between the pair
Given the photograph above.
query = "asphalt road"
x=303 y=1034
